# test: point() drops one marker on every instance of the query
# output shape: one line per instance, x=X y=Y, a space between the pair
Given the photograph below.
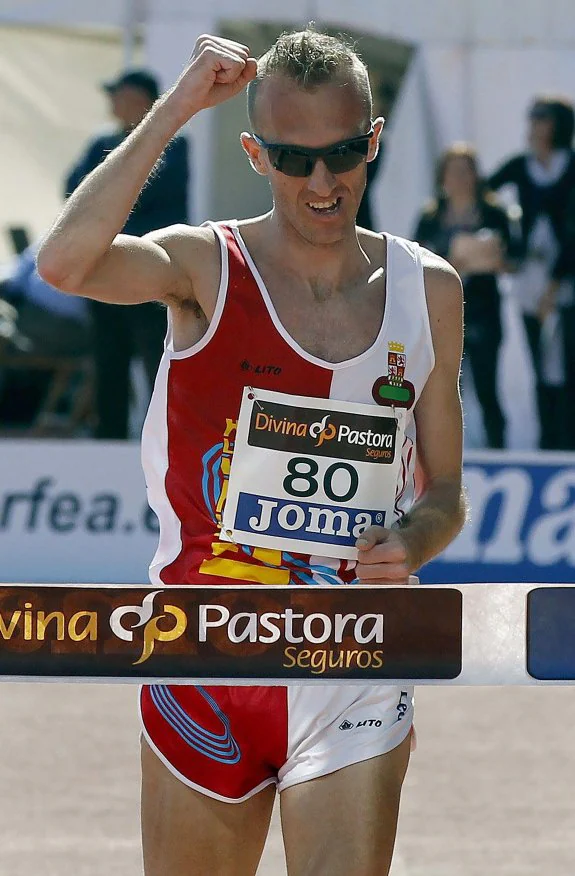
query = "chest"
x=333 y=327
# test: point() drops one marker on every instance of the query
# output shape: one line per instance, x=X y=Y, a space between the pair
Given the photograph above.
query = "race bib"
x=310 y=475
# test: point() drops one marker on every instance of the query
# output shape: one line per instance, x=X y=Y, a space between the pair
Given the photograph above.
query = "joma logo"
x=321 y=521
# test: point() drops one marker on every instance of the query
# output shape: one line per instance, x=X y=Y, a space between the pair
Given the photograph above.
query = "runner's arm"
x=390 y=555
x=438 y=515
x=84 y=252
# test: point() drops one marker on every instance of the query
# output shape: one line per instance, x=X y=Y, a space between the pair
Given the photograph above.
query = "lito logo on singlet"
x=274 y=370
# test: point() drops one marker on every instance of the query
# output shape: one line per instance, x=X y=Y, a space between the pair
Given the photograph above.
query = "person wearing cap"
x=122 y=333
x=544 y=179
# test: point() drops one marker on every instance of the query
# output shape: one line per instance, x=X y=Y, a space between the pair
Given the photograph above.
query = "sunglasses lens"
x=347 y=157
x=291 y=163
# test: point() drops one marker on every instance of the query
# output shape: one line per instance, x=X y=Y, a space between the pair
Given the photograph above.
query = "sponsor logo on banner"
x=323 y=433
x=152 y=632
x=521 y=524
x=250 y=633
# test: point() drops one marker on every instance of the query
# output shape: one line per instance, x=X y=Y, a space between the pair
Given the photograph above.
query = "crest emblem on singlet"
x=393 y=389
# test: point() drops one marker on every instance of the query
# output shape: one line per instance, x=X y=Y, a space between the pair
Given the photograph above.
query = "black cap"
x=142 y=79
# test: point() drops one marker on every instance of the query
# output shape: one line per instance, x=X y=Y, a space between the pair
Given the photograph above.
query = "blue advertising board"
x=77 y=511
x=551 y=633
x=521 y=524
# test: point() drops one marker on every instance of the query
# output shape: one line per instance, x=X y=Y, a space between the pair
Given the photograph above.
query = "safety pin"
x=252 y=396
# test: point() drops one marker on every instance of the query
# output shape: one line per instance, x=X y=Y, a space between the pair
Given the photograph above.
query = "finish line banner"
x=475 y=634
x=242 y=634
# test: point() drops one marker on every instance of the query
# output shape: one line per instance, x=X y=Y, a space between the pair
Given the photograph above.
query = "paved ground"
x=490 y=789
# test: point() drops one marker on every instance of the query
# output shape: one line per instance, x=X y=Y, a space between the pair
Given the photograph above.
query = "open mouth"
x=325 y=208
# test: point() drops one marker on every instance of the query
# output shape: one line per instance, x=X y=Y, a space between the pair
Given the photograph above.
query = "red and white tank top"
x=188 y=437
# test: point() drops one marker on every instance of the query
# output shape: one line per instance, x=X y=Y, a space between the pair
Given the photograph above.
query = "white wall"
x=63 y=12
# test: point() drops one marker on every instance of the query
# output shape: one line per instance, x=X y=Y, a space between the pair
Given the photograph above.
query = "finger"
x=249 y=72
x=217 y=55
x=388 y=552
x=222 y=43
x=232 y=45
x=383 y=571
x=228 y=68
x=230 y=89
x=371 y=536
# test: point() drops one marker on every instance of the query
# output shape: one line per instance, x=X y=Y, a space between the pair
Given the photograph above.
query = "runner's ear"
x=254 y=153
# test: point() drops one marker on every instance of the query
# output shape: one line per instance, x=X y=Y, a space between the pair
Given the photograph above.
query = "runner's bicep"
x=135 y=270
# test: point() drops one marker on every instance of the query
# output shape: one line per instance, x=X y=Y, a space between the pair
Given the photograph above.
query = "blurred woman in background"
x=544 y=182
x=465 y=226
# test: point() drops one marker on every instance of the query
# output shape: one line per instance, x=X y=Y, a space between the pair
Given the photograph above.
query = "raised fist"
x=218 y=69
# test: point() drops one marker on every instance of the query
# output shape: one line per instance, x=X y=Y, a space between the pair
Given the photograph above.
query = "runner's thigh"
x=345 y=822
x=185 y=833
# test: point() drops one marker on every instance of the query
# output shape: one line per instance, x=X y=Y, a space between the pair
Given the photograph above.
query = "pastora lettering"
x=366 y=437
x=290 y=625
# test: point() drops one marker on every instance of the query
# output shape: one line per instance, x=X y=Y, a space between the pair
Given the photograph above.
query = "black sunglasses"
x=299 y=161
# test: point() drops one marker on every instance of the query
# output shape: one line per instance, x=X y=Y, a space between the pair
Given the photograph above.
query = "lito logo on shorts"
x=402 y=705
x=323 y=433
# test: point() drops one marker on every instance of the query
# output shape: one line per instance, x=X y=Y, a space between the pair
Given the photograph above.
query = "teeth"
x=323 y=205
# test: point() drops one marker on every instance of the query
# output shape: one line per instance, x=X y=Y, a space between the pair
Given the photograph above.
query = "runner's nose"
x=322 y=182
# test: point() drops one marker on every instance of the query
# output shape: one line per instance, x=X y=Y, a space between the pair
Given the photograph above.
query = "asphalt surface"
x=490 y=788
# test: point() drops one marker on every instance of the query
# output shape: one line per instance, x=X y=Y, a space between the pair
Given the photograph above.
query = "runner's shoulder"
x=185 y=242
x=441 y=279
x=194 y=250
x=444 y=295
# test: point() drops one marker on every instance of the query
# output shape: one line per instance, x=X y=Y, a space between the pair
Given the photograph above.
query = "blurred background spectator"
x=121 y=334
x=45 y=331
x=53 y=323
x=544 y=180
x=464 y=225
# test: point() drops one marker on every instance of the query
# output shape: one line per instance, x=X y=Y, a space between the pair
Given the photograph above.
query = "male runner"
x=302 y=303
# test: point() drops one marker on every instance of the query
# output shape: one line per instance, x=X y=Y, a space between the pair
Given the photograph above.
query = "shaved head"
x=310 y=59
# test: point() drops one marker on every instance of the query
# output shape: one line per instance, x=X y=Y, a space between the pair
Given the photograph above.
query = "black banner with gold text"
x=269 y=634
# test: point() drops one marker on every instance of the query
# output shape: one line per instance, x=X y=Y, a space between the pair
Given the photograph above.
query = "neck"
x=461 y=203
x=325 y=267
x=544 y=155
